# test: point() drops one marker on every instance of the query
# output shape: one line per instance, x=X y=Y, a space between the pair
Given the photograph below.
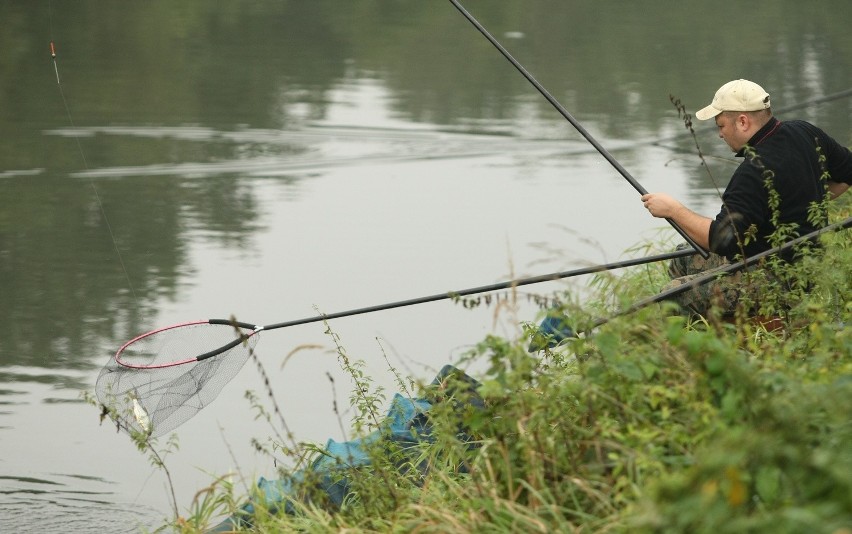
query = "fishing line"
x=83 y=154
x=76 y=137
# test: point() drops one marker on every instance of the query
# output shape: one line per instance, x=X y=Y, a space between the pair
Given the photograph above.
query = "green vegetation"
x=652 y=423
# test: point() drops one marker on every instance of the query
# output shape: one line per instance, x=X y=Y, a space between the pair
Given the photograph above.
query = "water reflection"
x=64 y=502
x=264 y=158
x=300 y=152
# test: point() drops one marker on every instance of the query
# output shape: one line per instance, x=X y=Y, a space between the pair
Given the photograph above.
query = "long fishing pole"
x=403 y=303
x=714 y=274
x=152 y=387
x=450 y=295
x=846 y=93
x=491 y=287
x=579 y=127
x=160 y=379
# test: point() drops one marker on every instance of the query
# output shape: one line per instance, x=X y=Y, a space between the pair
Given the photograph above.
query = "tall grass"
x=652 y=423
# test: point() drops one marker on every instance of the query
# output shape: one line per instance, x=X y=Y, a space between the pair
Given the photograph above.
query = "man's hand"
x=664 y=206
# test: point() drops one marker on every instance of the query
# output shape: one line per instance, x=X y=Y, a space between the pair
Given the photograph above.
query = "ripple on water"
x=68 y=503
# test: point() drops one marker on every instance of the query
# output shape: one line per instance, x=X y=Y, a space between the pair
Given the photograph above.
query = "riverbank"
x=653 y=423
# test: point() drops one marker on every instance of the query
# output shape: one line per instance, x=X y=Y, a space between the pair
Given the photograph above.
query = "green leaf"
x=715 y=364
x=768 y=483
x=629 y=370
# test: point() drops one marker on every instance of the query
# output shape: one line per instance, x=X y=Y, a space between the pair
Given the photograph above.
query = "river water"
x=276 y=160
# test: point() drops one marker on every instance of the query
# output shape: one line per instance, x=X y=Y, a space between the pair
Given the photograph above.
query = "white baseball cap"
x=737 y=95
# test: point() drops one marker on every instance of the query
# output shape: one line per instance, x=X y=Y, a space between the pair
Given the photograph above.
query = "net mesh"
x=165 y=385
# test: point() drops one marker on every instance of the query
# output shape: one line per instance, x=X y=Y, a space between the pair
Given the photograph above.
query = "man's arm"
x=664 y=206
x=836 y=189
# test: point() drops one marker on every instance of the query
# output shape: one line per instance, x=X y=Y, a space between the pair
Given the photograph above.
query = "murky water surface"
x=276 y=160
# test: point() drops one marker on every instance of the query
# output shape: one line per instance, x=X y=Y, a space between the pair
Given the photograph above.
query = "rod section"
x=576 y=124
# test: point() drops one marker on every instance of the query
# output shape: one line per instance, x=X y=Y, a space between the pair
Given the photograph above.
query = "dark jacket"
x=793 y=159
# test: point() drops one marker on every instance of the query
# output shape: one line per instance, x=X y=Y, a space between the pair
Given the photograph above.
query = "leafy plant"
x=650 y=423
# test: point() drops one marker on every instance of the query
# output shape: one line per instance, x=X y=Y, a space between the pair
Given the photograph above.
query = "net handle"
x=845 y=224
x=254 y=329
x=239 y=339
x=236 y=341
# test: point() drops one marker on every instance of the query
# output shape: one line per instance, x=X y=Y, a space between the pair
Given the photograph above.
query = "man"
x=788 y=168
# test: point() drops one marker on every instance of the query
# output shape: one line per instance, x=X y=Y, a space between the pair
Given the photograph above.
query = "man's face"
x=731 y=130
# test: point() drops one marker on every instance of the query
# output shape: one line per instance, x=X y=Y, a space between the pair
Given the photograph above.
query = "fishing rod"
x=579 y=127
x=151 y=387
x=554 y=330
x=846 y=93
x=158 y=380
x=716 y=273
